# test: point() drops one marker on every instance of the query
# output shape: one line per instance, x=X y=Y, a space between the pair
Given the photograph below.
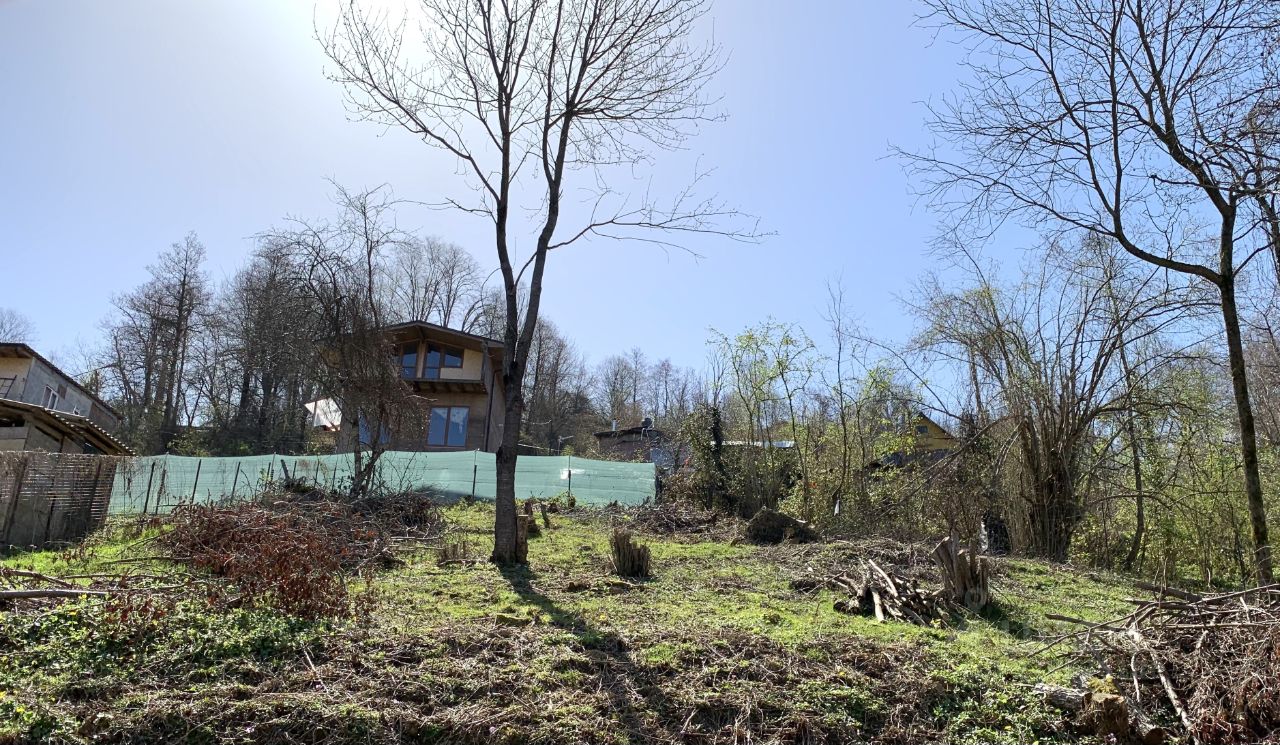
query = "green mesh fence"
x=160 y=483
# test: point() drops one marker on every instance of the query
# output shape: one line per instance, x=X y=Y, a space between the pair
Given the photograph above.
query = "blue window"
x=438 y=357
x=409 y=360
x=366 y=433
x=448 y=426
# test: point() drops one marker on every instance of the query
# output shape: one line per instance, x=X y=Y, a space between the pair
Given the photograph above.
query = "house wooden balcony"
x=438 y=385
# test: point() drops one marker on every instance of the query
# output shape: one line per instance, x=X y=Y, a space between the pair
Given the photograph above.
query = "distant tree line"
x=200 y=367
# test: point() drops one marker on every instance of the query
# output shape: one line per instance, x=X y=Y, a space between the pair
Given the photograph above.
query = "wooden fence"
x=51 y=498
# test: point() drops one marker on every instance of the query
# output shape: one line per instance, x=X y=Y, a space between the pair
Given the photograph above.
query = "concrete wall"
x=70 y=398
x=38 y=439
x=32 y=376
x=13 y=438
x=15 y=367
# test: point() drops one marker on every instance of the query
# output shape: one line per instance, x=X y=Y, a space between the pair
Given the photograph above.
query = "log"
x=60 y=592
x=4 y=572
x=1067 y=699
x=1172 y=592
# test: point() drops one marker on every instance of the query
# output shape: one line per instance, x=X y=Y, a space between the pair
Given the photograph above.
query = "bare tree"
x=256 y=367
x=559 y=410
x=529 y=95
x=336 y=265
x=1051 y=349
x=15 y=327
x=149 y=344
x=1150 y=123
x=431 y=280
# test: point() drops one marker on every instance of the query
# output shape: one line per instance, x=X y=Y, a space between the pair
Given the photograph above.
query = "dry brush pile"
x=1206 y=667
x=299 y=553
x=295 y=552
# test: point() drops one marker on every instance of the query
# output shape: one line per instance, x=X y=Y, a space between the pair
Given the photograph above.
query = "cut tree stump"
x=522 y=538
x=629 y=559
x=534 y=530
x=965 y=575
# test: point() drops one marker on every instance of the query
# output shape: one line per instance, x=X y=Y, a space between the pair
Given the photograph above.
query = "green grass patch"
x=559 y=651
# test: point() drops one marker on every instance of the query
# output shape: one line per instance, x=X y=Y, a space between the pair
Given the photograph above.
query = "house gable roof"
x=68 y=424
x=438 y=330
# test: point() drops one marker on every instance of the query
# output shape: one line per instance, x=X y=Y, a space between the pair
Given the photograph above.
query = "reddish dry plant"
x=293 y=560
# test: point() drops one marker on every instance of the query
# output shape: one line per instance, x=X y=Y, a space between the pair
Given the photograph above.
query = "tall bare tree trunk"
x=504 y=525
x=1248 y=434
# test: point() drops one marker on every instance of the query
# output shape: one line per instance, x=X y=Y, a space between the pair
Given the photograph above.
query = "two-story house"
x=458 y=377
x=43 y=408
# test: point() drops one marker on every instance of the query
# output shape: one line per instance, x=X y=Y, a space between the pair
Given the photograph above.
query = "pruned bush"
x=296 y=551
x=770 y=526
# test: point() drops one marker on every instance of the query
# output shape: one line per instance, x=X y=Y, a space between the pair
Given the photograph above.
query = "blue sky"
x=128 y=123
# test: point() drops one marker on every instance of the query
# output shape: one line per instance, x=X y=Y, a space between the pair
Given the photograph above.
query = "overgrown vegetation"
x=725 y=641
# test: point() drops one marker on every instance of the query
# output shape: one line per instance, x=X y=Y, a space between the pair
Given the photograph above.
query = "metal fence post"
x=164 y=479
x=146 y=502
x=235 y=481
x=196 y=482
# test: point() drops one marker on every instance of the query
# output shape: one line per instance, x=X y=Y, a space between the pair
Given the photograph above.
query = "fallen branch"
x=60 y=592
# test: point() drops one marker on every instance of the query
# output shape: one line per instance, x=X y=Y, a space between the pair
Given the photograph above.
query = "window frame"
x=402 y=352
x=6 y=384
x=450 y=418
x=442 y=359
x=50 y=399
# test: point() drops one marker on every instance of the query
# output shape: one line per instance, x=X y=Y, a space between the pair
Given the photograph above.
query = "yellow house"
x=931 y=436
x=930 y=441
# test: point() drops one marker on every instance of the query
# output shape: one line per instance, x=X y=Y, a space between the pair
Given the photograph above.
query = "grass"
x=716 y=647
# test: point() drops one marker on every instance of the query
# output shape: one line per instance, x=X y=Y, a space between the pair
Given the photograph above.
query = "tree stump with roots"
x=965 y=575
x=629 y=559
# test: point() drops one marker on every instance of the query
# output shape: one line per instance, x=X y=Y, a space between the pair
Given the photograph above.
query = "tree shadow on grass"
x=620 y=677
x=999 y=615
